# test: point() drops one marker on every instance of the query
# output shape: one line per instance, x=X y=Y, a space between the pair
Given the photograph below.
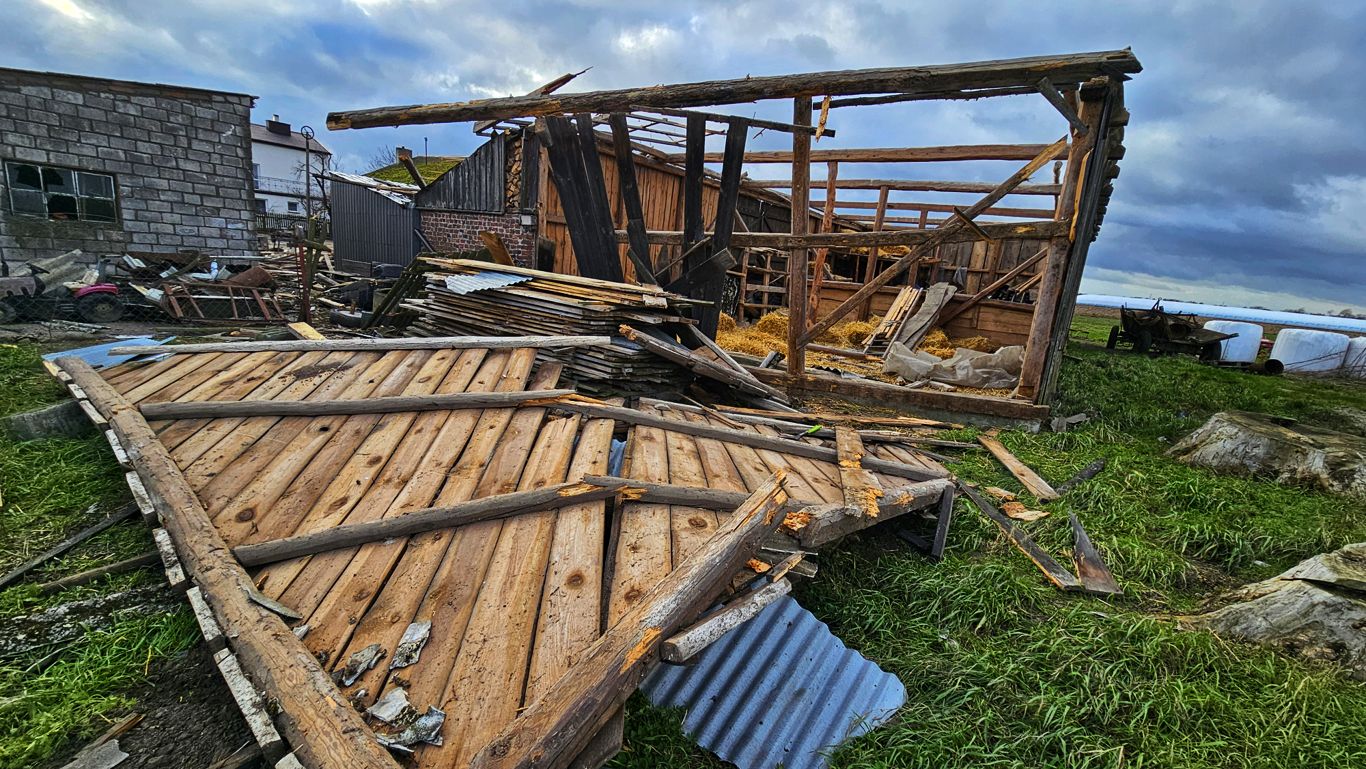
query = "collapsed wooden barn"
x=1017 y=267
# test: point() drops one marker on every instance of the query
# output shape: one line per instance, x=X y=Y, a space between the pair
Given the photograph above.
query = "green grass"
x=45 y=708
x=430 y=168
x=55 y=696
x=1004 y=671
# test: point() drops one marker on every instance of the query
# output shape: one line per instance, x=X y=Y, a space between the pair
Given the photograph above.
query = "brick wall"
x=459 y=231
x=181 y=160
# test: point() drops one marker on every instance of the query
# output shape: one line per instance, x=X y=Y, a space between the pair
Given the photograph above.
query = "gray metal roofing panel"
x=480 y=281
x=780 y=690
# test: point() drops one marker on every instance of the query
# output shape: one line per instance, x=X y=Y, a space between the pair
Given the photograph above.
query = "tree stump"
x=1242 y=443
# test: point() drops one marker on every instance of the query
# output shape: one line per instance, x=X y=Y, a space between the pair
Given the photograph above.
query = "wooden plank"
x=832 y=418
x=90 y=575
x=1060 y=103
x=644 y=552
x=302 y=330
x=945 y=234
x=1031 y=480
x=170 y=562
x=497 y=249
x=345 y=407
x=918 y=185
x=322 y=728
x=1095 y=576
x=689 y=527
x=861 y=489
x=1060 y=577
x=902 y=80
x=895 y=396
x=926 y=317
x=252 y=706
x=946 y=208
x=557 y=726
x=827 y=219
x=639 y=246
x=571 y=603
x=382 y=345
x=688 y=643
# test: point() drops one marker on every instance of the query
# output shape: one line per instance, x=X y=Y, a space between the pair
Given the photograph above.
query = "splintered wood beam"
x=1095 y=576
x=987 y=291
x=944 y=208
x=717 y=117
x=832 y=170
x=347 y=407
x=1031 y=480
x=936 y=79
x=322 y=727
x=1060 y=103
x=1054 y=571
x=861 y=489
x=692 y=641
x=945 y=234
x=937 y=236
x=596 y=409
x=379 y=345
x=548 y=88
x=891 y=154
x=560 y=723
x=913 y=185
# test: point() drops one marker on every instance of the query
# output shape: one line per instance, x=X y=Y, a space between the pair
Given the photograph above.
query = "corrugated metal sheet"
x=98 y=355
x=370 y=228
x=478 y=184
x=468 y=284
x=780 y=690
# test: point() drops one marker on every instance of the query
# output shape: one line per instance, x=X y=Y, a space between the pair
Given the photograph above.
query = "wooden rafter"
x=893 y=154
x=914 y=185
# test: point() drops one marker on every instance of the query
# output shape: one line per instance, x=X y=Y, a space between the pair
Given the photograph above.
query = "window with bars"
x=53 y=192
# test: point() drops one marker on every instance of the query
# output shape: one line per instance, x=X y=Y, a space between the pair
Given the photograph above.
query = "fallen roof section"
x=480 y=628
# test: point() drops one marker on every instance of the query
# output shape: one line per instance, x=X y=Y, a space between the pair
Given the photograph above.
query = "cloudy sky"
x=1244 y=181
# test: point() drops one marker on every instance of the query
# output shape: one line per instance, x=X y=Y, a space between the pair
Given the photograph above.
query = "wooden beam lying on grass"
x=559 y=724
x=1060 y=577
x=123 y=513
x=322 y=727
x=90 y=575
x=379 y=345
x=1032 y=481
x=347 y=407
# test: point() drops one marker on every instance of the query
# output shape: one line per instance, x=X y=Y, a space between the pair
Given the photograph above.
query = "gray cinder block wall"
x=180 y=158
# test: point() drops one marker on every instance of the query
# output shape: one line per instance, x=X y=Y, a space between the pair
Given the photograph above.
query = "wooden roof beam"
x=902 y=80
x=942 y=208
x=965 y=95
x=718 y=117
x=1041 y=229
x=916 y=186
x=895 y=154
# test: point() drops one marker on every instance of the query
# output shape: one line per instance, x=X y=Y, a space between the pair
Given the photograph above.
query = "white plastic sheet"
x=967 y=368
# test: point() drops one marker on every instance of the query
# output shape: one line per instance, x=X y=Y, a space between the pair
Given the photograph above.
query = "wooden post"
x=322 y=727
x=832 y=172
x=639 y=248
x=801 y=219
x=870 y=270
x=1055 y=269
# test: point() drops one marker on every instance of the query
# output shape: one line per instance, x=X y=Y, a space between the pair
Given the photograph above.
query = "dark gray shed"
x=373 y=222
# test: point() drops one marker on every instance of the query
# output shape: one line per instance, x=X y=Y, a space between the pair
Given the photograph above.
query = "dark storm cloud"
x=1246 y=158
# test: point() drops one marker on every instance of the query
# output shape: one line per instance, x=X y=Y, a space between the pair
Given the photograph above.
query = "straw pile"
x=939 y=344
x=769 y=333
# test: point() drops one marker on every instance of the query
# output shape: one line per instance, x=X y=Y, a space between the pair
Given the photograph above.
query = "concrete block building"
x=112 y=167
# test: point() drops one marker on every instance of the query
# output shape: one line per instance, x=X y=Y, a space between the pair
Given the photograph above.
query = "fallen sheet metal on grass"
x=780 y=690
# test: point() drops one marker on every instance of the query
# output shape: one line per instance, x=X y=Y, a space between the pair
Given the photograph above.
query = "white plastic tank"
x=1242 y=348
x=1302 y=349
x=1354 y=362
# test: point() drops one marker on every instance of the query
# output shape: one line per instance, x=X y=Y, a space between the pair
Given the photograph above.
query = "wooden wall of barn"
x=661 y=193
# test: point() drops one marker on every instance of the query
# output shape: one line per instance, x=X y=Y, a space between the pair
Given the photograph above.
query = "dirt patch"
x=189 y=717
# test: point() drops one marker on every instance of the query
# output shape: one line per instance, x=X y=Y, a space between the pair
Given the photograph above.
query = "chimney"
x=402 y=153
x=276 y=127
